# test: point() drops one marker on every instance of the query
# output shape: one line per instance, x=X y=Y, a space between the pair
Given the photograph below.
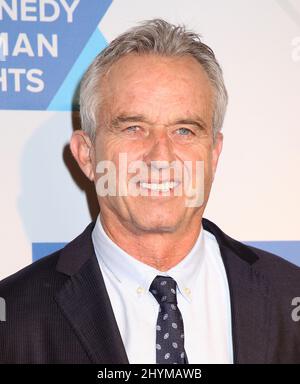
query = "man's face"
x=156 y=109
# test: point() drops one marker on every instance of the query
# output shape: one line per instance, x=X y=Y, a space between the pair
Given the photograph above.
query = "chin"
x=157 y=225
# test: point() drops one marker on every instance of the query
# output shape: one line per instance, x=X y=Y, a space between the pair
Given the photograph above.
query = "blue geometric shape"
x=40 y=250
x=65 y=100
x=20 y=88
x=289 y=250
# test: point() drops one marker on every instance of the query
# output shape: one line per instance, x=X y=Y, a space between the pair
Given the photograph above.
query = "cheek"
x=106 y=149
x=193 y=153
x=119 y=155
x=209 y=169
x=200 y=159
x=204 y=155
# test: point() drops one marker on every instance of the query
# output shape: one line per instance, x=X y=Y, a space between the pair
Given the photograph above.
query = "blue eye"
x=132 y=128
x=184 y=131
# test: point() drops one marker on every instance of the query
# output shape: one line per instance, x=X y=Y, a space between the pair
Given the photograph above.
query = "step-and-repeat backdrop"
x=46 y=45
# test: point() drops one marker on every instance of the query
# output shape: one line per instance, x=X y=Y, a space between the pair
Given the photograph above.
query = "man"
x=151 y=281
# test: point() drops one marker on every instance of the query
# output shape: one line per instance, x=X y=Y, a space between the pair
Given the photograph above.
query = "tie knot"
x=164 y=290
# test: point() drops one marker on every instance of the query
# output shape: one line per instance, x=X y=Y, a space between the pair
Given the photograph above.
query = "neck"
x=161 y=251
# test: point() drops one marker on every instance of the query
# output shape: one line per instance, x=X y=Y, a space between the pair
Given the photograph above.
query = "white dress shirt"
x=202 y=295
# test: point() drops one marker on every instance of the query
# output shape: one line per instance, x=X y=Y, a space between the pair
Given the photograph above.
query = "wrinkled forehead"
x=159 y=85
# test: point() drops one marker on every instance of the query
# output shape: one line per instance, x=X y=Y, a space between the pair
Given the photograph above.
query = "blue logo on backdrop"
x=45 y=47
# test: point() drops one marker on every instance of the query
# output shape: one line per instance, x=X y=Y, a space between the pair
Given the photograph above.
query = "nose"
x=160 y=152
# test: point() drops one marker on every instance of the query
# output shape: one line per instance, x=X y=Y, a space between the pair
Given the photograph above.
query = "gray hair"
x=151 y=37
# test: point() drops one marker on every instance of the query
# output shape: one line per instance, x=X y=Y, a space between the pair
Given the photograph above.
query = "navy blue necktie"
x=169 y=327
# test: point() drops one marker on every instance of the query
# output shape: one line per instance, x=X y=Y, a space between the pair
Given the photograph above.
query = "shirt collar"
x=138 y=276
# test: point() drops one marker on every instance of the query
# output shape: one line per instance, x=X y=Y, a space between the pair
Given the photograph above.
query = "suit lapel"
x=85 y=303
x=249 y=296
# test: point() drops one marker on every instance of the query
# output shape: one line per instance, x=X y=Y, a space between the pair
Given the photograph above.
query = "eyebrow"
x=196 y=121
x=128 y=119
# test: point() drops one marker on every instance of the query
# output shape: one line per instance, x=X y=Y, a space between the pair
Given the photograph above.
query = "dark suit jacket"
x=58 y=309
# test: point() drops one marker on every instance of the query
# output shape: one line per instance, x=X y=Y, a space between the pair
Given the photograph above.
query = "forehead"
x=156 y=84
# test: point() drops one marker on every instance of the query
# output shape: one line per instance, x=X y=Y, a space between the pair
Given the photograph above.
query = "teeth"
x=160 y=186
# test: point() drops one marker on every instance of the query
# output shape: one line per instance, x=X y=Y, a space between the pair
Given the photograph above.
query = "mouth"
x=163 y=186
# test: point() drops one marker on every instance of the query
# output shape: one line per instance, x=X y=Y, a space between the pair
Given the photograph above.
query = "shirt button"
x=140 y=290
x=187 y=291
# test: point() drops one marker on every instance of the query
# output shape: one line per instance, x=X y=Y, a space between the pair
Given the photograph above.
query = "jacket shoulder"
x=50 y=271
x=278 y=270
x=34 y=278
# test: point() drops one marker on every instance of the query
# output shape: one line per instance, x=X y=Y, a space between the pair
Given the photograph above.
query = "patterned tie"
x=169 y=327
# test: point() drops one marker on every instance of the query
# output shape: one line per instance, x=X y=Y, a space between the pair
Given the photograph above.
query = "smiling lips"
x=164 y=186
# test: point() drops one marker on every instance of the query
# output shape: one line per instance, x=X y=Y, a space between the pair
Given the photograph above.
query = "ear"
x=217 y=149
x=82 y=150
